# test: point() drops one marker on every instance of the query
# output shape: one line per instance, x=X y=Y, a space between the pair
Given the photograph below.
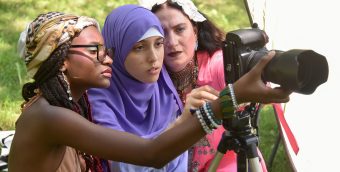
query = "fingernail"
x=192 y=110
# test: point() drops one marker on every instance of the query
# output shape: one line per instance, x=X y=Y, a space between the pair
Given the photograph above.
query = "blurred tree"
x=227 y=14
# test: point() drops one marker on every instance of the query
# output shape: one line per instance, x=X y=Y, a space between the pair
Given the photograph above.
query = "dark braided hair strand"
x=50 y=81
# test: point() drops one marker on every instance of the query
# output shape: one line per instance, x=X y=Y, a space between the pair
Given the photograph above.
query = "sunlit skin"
x=96 y=74
x=180 y=38
x=144 y=61
x=39 y=126
x=44 y=130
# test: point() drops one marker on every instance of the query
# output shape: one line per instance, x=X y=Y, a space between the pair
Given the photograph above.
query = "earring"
x=68 y=87
x=196 y=45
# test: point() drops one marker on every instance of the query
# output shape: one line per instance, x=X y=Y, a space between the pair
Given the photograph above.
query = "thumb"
x=264 y=61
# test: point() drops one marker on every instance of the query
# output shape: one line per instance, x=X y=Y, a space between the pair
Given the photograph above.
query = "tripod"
x=240 y=136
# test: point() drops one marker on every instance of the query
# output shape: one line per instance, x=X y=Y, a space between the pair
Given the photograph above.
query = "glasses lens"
x=99 y=50
x=109 y=52
x=101 y=53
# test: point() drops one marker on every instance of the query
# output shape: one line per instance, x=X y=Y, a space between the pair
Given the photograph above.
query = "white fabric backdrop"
x=314 y=119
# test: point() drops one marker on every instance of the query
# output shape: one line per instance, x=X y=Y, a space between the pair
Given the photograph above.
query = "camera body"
x=298 y=70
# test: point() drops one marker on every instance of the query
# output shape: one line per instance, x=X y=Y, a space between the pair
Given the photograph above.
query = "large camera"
x=298 y=70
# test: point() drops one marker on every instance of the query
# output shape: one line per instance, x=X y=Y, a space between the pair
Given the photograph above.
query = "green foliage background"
x=15 y=14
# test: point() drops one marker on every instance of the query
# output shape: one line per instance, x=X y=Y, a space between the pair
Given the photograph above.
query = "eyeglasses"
x=96 y=48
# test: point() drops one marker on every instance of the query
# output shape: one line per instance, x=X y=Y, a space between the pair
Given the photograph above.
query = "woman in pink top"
x=193 y=57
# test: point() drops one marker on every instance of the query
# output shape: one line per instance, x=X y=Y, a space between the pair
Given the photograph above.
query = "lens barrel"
x=299 y=70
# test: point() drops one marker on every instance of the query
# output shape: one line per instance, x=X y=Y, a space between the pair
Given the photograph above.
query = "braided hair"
x=50 y=81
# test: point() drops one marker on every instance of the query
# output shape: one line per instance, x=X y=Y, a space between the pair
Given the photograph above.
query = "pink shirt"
x=211 y=72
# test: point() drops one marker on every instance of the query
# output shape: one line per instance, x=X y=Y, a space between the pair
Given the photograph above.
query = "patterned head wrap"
x=188 y=7
x=46 y=33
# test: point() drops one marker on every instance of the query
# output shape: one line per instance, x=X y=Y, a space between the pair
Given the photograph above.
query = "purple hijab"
x=144 y=109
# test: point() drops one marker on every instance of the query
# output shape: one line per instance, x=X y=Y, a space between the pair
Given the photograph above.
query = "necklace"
x=185 y=80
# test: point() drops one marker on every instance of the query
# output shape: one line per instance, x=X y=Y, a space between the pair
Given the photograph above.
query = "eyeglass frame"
x=107 y=52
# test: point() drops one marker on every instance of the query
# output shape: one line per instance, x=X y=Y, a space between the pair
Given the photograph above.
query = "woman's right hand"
x=251 y=88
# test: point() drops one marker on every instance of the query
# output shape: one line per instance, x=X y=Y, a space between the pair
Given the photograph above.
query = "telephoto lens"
x=299 y=70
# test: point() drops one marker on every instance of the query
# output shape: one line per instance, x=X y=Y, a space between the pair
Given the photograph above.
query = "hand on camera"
x=251 y=88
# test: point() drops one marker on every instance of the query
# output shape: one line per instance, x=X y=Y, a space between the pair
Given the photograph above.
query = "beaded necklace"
x=185 y=80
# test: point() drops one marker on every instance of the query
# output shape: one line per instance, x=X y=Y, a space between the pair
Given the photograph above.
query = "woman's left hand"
x=198 y=96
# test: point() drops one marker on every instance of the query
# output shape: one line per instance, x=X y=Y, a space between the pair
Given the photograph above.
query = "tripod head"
x=241 y=136
x=241 y=130
x=245 y=122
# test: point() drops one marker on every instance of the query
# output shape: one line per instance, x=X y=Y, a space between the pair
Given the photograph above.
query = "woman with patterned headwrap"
x=65 y=56
x=49 y=47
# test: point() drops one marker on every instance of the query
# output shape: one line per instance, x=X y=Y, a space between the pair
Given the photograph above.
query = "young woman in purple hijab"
x=141 y=98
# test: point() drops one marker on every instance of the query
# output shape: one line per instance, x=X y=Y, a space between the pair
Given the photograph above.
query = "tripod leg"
x=222 y=148
x=242 y=163
x=215 y=162
x=254 y=164
x=274 y=151
x=253 y=158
